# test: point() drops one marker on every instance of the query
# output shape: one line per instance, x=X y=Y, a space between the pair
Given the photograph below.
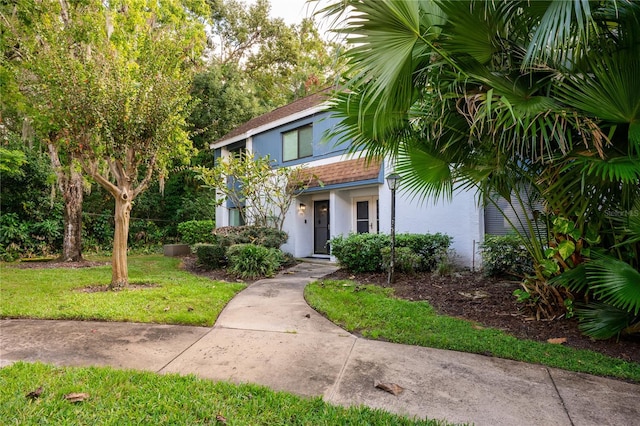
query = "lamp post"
x=392 y=181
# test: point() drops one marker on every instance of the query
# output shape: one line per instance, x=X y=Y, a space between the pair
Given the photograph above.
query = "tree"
x=122 y=74
x=262 y=194
x=501 y=96
x=44 y=79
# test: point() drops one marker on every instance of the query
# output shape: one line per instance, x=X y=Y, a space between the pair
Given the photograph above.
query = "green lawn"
x=178 y=297
x=119 y=397
x=373 y=312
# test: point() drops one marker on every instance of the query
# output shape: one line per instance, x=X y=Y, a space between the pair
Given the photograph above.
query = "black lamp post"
x=392 y=181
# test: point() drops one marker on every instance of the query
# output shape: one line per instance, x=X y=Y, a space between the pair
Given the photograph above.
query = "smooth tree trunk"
x=120 y=271
x=71 y=185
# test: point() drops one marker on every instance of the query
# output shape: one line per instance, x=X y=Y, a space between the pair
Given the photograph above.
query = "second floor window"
x=297 y=143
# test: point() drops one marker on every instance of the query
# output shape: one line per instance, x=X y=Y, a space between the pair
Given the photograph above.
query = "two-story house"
x=353 y=197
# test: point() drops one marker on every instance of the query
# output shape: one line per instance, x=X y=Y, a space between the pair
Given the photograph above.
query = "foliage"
x=406 y=260
x=262 y=194
x=371 y=252
x=97 y=230
x=277 y=62
x=505 y=254
x=211 y=255
x=111 y=90
x=373 y=312
x=607 y=289
x=249 y=234
x=197 y=231
x=162 y=399
x=476 y=95
x=252 y=261
x=167 y=294
x=30 y=223
x=360 y=252
x=432 y=248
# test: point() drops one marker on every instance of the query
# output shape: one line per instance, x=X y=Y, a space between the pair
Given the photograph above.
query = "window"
x=235 y=218
x=297 y=143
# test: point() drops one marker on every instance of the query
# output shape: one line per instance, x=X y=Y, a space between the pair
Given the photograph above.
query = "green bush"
x=252 y=261
x=432 y=248
x=197 y=231
x=360 y=252
x=406 y=260
x=505 y=255
x=249 y=234
x=211 y=256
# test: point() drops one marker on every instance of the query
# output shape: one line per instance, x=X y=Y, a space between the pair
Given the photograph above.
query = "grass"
x=179 y=297
x=373 y=312
x=119 y=397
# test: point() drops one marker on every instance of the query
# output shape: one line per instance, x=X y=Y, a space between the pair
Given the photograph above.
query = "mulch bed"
x=490 y=302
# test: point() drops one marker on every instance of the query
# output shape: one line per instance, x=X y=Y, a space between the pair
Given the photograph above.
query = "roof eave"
x=271 y=125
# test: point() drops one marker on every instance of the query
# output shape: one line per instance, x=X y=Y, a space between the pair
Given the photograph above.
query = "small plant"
x=252 y=261
x=211 y=256
x=197 y=231
x=505 y=254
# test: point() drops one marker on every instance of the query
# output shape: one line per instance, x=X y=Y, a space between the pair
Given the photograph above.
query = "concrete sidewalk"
x=268 y=335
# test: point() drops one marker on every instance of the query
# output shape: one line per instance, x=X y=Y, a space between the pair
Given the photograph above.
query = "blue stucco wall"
x=270 y=142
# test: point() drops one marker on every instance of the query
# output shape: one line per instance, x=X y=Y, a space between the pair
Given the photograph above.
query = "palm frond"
x=602 y=321
x=615 y=282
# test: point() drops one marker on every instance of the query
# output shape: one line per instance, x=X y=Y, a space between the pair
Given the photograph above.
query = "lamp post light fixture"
x=392 y=182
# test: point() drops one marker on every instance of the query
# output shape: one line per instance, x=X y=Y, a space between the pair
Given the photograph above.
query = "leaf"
x=557 y=340
x=392 y=388
x=221 y=419
x=566 y=248
x=76 y=397
x=35 y=393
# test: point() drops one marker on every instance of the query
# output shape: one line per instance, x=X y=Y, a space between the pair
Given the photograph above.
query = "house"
x=353 y=196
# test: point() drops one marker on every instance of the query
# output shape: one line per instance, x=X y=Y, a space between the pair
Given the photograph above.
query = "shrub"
x=197 y=231
x=360 y=252
x=432 y=248
x=249 y=234
x=251 y=260
x=211 y=256
x=406 y=260
x=505 y=254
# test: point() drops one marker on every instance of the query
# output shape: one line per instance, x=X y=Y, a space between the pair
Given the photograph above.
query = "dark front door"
x=321 y=227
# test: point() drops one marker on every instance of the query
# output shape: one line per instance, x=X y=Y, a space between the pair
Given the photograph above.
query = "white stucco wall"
x=460 y=218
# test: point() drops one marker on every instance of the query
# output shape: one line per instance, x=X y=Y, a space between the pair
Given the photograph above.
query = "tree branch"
x=147 y=178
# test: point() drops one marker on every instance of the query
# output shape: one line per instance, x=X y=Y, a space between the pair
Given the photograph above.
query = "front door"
x=321 y=227
x=367 y=215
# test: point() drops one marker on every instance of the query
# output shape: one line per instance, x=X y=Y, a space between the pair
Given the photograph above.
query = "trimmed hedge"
x=414 y=252
x=197 y=231
x=211 y=256
x=249 y=234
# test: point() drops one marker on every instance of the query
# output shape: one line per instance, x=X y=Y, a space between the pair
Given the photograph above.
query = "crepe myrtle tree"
x=143 y=99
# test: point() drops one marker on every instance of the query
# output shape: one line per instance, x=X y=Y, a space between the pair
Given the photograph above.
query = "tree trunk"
x=70 y=184
x=120 y=272
x=72 y=192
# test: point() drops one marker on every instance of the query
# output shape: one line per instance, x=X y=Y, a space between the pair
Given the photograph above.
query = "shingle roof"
x=279 y=113
x=343 y=172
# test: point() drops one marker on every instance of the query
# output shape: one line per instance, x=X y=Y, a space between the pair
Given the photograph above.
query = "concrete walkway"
x=268 y=335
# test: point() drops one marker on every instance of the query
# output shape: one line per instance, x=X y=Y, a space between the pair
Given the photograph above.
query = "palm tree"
x=502 y=96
